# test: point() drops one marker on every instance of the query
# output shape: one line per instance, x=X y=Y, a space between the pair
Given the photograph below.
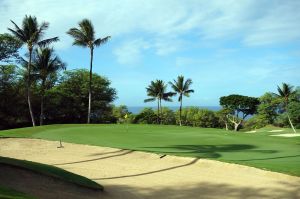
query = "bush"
x=198 y=117
x=146 y=116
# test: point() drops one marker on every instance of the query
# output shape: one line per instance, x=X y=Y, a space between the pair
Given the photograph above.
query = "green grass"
x=51 y=171
x=259 y=150
x=6 y=193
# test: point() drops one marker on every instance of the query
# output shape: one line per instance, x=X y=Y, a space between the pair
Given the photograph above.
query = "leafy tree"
x=119 y=113
x=157 y=90
x=31 y=34
x=294 y=112
x=9 y=47
x=239 y=104
x=84 y=36
x=183 y=89
x=12 y=105
x=69 y=99
x=268 y=108
x=223 y=117
x=46 y=64
x=285 y=92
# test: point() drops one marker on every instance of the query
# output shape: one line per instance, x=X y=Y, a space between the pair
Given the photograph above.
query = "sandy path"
x=129 y=174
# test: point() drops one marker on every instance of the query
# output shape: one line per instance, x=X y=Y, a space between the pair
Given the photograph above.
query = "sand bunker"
x=130 y=174
x=273 y=131
x=287 y=135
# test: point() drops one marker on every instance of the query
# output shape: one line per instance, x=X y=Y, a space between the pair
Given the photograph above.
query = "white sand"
x=129 y=174
x=287 y=135
x=273 y=131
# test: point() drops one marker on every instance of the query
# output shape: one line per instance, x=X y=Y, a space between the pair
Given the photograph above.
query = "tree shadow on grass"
x=206 y=151
x=270 y=158
x=150 y=172
x=95 y=159
x=204 y=190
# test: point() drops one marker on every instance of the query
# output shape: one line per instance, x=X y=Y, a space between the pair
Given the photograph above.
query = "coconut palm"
x=46 y=65
x=157 y=91
x=183 y=89
x=285 y=92
x=84 y=36
x=31 y=34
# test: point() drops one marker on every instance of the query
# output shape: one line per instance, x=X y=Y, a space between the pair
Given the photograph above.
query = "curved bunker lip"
x=43 y=186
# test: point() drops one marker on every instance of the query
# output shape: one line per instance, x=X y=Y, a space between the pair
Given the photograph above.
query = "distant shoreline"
x=137 y=109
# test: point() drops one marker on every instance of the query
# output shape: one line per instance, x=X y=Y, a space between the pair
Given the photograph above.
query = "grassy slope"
x=51 y=171
x=13 y=194
x=258 y=150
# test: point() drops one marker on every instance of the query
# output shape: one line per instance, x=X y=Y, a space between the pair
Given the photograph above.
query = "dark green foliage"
x=12 y=100
x=65 y=102
x=240 y=104
x=9 y=47
x=69 y=99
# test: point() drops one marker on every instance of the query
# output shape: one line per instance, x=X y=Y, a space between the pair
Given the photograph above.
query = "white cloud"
x=130 y=52
x=167 y=23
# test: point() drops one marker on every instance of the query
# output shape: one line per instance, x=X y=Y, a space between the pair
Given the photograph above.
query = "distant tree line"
x=279 y=109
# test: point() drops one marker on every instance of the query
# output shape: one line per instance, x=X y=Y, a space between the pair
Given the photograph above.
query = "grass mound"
x=52 y=172
x=13 y=194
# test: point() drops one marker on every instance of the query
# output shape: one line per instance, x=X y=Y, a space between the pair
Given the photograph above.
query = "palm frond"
x=150 y=100
x=46 y=42
x=101 y=41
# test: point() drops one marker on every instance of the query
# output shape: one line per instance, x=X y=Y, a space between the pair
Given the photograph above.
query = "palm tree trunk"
x=291 y=122
x=180 y=110
x=161 y=115
x=90 y=87
x=28 y=88
x=42 y=102
x=157 y=111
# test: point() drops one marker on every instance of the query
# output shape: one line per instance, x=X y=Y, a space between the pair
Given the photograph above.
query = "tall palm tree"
x=46 y=64
x=157 y=91
x=31 y=34
x=285 y=93
x=84 y=36
x=183 y=89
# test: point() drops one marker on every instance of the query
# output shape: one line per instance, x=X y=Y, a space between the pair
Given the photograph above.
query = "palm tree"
x=183 y=89
x=46 y=64
x=157 y=91
x=285 y=93
x=84 y=36
x=31 y=34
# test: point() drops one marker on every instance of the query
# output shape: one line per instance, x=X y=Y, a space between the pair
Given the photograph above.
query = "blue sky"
x=244 y=47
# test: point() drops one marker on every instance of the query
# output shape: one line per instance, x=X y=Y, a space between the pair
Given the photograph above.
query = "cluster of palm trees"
x=157 y=90
x=42 y=61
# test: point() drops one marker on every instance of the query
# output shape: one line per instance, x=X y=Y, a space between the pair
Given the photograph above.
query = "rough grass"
x=52 y=171
x=259 y=150
x=13 y=194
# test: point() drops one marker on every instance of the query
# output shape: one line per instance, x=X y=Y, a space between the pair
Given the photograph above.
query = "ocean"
x=137 y=109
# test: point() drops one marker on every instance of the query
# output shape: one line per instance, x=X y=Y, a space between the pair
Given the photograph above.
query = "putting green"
x=253 y=149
